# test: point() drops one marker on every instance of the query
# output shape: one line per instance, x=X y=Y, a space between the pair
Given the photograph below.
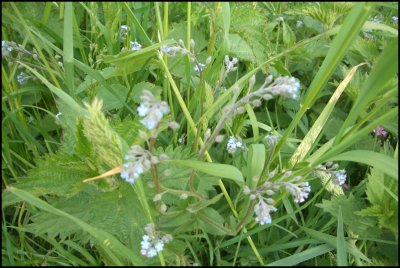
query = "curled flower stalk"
x=282 y=86
x=338 y=177
x=264 y=196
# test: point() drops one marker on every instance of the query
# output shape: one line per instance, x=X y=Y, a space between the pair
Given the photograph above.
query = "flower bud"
x=157 y=197
x=208 y=60
x=219 y=138
x=163 y=208
x=207 y=134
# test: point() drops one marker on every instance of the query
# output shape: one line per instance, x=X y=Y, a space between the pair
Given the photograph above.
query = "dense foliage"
x=146 y=133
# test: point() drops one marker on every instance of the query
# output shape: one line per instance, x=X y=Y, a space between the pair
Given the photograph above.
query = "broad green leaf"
x=384 y=163
x=240 y=48
x=106 y=240
x=217 y=170
x=360 y=225
x=255 y=164
x=109 y=100
x=380 y=26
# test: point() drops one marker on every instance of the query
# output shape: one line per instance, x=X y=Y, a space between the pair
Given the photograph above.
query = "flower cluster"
x=174 y=50
x=230 y=65
x=285 y=86
x=197 y=69
x=299 y=190
x=153 y=242
x=380 y=132
x=152 y=110
x=395 y=19
x=124 y=31
x=263 y=209
x=233 y=144
x=135 y=45
x=368 y=34
x=338 y=176
x=6 y=48
x=22 y=78
x=139 y=160
x=271 y=140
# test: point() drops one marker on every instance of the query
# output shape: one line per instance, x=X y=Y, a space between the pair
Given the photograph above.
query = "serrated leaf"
x=349 y=205
x=240 y=48
x=110 y=101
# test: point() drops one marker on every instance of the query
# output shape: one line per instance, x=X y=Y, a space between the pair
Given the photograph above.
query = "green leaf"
x=340 y=244
x=288 y=36
x=340 y=45
x=255 y=164
x=349 y=206
x=217 y=170
x=108 y=242
x=240 y=48
x=302 y=256
x=384 y=163
x=212 y=222
x=68 y=55
x=375 y=192
x=192 y=208
x=385 y=68
x=331 y=241
x=112 y=101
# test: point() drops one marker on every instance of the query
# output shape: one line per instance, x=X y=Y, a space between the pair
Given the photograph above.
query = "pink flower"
x=380 y=131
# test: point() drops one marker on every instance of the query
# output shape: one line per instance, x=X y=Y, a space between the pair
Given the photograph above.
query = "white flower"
x=22 y=78
x=233 y=144
x=395 y=19
x=135 y=45
x=202 y=67
x=230 y=64
x=138 y=163
x=285 y=86
x=159 y=246
x=299 y=24
x=6 y=48
x=153 y=110
x=271 y=140
x=299 y=191
x=263 y=210
x=143 y=110
x=340 y=177
x=58 y=115
x=153 y=242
